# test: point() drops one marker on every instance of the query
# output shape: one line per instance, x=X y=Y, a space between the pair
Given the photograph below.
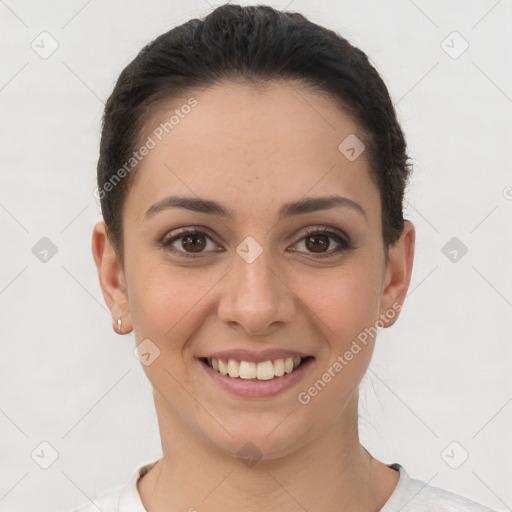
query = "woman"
x=251 y=177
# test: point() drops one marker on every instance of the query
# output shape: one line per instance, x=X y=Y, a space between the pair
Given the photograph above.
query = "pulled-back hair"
x=256 y=44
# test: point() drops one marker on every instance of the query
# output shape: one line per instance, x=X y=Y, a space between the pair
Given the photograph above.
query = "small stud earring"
x=119 y=325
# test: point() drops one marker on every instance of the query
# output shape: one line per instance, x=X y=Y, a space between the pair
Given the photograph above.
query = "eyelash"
x=344 y=241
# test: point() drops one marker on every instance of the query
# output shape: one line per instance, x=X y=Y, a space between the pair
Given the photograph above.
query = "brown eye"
x=194 y=243
x=317 y=243
x=189 y=243
x=323 y=243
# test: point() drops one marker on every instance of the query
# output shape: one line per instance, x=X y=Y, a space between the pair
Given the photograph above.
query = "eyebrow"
x=291 y=209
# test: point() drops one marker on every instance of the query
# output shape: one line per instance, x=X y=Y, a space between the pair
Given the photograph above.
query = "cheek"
x=346 y=301
x=344 y=311
x=165 y=302
x=347 y=305
x=166 y=307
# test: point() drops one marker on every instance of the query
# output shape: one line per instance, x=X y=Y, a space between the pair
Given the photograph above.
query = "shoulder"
x=124 y=498
x=413 y=495
x=106 y=502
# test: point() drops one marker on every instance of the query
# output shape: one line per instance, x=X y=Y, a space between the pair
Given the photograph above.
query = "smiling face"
x=249 y=236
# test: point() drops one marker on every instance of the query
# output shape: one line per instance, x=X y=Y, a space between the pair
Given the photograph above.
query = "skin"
x=253 y=149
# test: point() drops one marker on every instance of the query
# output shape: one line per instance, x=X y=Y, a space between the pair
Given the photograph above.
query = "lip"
x=270 y=354
x=253 y=388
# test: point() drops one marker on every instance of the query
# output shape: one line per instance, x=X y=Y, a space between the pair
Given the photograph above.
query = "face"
x=249 y=235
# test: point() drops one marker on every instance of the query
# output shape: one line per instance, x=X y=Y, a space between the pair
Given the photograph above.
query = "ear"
x=112 y=278
x=398 y=275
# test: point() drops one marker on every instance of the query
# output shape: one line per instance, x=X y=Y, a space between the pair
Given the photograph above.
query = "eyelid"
x=179 y=232
x=326 y=230
x=344 y=240
x=169 y=238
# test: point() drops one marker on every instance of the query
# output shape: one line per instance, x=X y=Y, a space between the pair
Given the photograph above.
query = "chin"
x=256 y=438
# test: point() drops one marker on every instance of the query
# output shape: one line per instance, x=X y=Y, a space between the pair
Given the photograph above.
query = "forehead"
x=238 y=115
x=255 y=146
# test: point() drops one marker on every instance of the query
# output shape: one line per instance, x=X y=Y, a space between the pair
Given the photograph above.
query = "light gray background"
x=441 y=374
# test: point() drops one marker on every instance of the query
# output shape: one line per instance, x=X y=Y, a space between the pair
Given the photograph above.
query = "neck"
x=331 y=472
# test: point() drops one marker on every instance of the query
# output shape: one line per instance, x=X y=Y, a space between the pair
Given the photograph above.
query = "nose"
x=255 y=297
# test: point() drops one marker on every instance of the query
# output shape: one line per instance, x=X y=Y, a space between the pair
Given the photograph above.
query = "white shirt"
x=409 y=496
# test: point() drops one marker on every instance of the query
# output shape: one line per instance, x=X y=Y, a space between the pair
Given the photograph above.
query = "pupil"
x=193 y=242
x=318 y=241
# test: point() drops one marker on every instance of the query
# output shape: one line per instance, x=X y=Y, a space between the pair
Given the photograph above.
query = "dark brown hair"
x=255 y=44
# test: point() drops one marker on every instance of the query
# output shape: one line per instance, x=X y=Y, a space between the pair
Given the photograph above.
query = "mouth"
x=255 y=371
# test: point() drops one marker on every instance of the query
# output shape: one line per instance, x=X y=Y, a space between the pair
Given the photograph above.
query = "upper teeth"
x=248 y=370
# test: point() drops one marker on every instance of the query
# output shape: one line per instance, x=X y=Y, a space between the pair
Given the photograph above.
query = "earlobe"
x=398 y=275
x=112 y=279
